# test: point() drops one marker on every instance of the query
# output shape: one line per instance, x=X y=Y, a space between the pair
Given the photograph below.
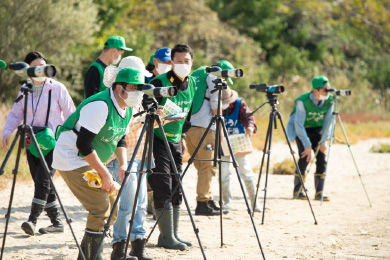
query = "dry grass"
x=23 y=171
x=357 y=128
x=286 y=167
x=380 y=148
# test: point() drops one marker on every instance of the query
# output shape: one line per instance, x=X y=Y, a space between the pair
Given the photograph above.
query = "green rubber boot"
x=167 y=238
x=176 y=217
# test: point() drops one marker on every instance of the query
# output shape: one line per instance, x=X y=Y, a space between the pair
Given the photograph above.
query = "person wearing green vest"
x=114 y=47
x=205 y=106
x=86 y=141
x=162 y=180
x=310 y=116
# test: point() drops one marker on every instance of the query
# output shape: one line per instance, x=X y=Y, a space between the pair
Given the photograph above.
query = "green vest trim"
x=314 y=115
x=200 y=77
x=183 y=99
x=101 y=69
x=114 y=129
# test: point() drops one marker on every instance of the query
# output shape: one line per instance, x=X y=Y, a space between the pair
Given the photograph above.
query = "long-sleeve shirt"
x=203 y=117
x=296 y=122
x=61 y=107
x=244 y=118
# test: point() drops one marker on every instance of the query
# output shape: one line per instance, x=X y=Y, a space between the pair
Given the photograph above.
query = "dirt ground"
x=348 y=228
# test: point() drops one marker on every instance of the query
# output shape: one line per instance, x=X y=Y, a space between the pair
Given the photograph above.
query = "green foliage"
x=58 y=29
x=286 y=167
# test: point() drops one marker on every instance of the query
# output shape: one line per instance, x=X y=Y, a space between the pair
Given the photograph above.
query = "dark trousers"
x=162 y=180
x=43 y=194
x=314 y=135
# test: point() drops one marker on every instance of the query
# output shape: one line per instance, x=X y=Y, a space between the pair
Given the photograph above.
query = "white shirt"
x=92 y=117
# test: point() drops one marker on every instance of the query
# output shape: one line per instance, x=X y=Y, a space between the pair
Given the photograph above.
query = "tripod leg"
x=15 y=173
x=270 y=128
x=296 y=165
x=148 y=123
x=261 y=168
x=241 y=185
x=353 y=158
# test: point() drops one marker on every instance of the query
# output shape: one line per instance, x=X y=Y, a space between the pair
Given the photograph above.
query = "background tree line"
x=274 y=42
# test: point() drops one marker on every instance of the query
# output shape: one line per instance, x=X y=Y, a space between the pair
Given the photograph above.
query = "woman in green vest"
x=309 y=118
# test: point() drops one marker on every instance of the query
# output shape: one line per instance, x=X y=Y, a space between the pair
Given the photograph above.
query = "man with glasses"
x=114 y=47
x=308 y=120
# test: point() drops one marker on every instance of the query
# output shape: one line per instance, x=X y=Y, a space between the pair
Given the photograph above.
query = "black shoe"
x=203 y=209
x=212 y=205
x=59 y=228
x=29 y=228
x=138 y=249
x=118 y=251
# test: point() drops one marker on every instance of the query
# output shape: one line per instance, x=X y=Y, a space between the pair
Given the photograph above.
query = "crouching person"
x=86 y=141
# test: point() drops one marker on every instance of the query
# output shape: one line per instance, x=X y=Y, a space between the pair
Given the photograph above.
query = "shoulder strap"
x=48 y=108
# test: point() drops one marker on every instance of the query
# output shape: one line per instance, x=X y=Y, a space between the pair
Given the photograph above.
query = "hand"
x=249 y=131
x=324 y=149
x=108 y=182
x=6 y=142
x=307 y=153
x=121 y=172
x=159 y=110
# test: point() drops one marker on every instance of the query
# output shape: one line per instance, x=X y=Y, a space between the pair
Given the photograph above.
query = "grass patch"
x=380 y=148
x=286 y=167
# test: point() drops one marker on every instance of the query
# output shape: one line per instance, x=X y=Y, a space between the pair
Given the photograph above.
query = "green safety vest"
x=314 y=115
x=114 y=129
x=183 y=99
x=200 y=77
x=101 y=69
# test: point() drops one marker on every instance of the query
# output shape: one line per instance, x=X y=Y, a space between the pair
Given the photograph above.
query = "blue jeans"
x=121 y=226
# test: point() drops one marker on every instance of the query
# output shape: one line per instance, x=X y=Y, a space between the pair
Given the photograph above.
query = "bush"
x=380 y=148
x=286 y=167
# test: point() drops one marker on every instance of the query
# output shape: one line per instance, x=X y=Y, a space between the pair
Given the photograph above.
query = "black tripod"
x=148 y=127
x=273 y=101
x=220 y=123
x=332 y=124
x=24 y=129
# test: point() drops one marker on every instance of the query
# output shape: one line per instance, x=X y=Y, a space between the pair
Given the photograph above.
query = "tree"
x=58 y=29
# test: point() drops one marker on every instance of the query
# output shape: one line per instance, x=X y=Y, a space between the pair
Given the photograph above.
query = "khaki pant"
x=206 y=170
x=95 y=201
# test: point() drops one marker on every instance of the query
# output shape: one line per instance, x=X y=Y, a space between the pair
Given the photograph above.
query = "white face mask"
x=134 y=98
x=117 y=60
x=322 y=97
x=163 y=68
x=182 y=70
x=39 y=79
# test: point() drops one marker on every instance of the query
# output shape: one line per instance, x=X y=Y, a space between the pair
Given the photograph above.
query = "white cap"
x=109 y=75
x=134 y=62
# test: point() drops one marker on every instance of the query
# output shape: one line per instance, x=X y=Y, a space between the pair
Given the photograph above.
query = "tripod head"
x=219 y=84
x=149 y=104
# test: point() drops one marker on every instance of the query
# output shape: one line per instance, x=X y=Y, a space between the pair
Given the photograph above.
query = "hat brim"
x=231 y=99
x=147 y=73
x=126 y=49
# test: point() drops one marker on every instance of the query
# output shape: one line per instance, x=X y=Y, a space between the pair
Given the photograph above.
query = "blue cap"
x=163 y=54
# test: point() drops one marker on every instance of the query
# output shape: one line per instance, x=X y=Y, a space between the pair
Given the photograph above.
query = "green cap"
x=319 y=82
x=117 y=42
x=151 y=59
x=130 y=76
x=225 y=65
